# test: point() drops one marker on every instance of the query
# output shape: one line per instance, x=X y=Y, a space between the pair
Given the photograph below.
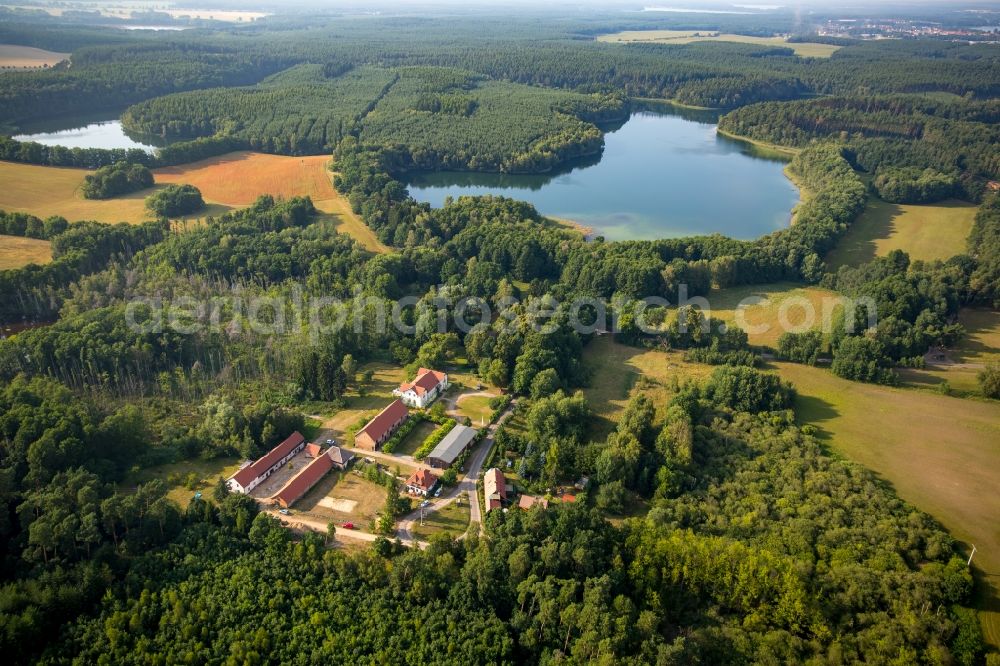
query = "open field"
x=979 y=345
x=475 y=407
x=229 y=181
x=805 y=49
x=619 y=370
x=927 y=232
x=781 y=306
x=941 y=454
x=16 y=251
x=237 y=179
x=202 y=475
x=453 y=519
x=44 y=191
x=26 y=57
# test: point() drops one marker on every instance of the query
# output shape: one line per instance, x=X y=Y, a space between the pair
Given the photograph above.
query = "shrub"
x=115 y=179
x=175 y=200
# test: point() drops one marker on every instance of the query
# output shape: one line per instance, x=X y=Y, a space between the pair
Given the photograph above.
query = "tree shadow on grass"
x=811 y=410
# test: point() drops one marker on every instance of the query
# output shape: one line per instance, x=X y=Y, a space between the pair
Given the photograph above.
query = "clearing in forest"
x=925 y=232
x=780 y=307
x=13 y=56
x=233 y=180
x=44 y=191
x=804 y=49
x=962 y=364
x=237 y=179
x=16 y=251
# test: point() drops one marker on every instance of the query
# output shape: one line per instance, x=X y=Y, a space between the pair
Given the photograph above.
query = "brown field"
x=925 y=232
x=237 y=179
x=940 y=453
x=229 y=181
x=805 y=49
x=16 y=251
x=979 y=345
x=26 y=57
x=45 y=191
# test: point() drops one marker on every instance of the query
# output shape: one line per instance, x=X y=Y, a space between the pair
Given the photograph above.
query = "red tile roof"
x=313 y=450
x=380 y=425
x=267 y=461
x=423 y=479
x=300 y=484
x=425 y=381
x=528 y=501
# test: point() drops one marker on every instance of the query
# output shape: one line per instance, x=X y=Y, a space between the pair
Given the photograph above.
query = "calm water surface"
x=85 y=133
x=661 y=175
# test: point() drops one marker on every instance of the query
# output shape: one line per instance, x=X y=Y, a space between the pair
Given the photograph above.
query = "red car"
x=348 y=526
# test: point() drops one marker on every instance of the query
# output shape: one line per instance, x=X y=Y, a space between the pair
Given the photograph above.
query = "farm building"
x=302 y=482
x=421 y=482
x=422 y=391
x=451 y=447
x=494 y=489
x=380 y=428
x=252 y=475
x=341 y=457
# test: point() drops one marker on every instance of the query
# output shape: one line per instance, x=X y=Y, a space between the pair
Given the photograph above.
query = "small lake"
x=662 y=174
x=102 y=132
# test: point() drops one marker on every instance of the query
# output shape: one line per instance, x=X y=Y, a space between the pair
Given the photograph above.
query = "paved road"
x=476 y=461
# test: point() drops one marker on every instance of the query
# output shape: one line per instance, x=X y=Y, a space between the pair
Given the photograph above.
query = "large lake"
x=98 y=132
x=662 y=174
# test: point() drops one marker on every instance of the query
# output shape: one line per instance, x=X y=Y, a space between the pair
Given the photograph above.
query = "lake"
x=662 y=174
x=102 y=132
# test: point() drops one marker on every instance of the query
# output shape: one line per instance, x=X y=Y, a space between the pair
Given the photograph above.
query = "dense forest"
x=737 y=537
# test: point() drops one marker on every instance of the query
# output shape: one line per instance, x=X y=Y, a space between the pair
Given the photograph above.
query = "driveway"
x=305 y=522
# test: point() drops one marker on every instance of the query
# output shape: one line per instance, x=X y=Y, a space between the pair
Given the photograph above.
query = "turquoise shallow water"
x=661 y=175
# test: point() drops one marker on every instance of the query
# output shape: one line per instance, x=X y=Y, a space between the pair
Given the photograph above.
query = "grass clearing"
x=476 y=407
x=778 y=307
x=453 y=519
x=13 y=56
x=942 y=454
x=619 y=371
x=385 y=378
x=17 y=251
x=415 y=438
x=926 y=232
x=185 y=478
x=979 y=345
x=805 y=49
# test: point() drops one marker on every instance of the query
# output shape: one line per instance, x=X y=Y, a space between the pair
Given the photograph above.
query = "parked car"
x=330 y=442
x=437 y=493
x=285 y=512
x=425 y=503
x=348 y=526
